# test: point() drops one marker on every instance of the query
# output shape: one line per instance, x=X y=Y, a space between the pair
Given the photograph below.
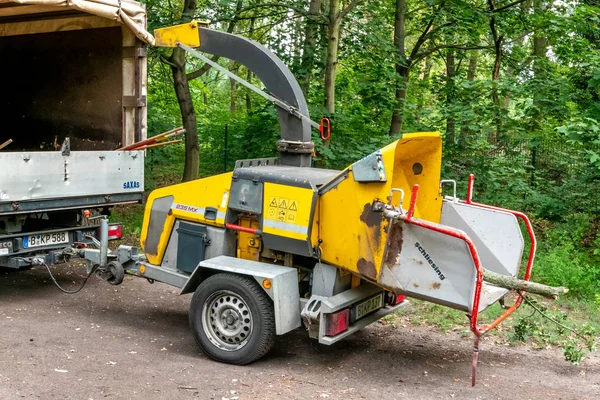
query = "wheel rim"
x=227 y=320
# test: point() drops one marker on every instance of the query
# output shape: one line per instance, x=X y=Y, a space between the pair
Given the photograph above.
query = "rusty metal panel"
x=62 y=84
x=347 y=206
x=428 y=265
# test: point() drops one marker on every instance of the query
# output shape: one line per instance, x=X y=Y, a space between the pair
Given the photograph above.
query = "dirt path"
x=132 y=342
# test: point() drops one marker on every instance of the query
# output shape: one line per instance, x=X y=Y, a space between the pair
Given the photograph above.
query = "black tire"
x=232 y=303
x=117 y=273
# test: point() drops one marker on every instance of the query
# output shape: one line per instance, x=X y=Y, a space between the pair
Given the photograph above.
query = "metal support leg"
x=103 y=242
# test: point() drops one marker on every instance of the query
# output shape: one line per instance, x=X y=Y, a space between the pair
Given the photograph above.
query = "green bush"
x=566 y=256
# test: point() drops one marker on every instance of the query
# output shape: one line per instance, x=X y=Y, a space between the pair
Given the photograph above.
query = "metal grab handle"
x=453 y=182
x=401 y=196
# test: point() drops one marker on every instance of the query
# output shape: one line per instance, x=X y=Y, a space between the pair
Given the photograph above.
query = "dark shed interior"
x=60 y=84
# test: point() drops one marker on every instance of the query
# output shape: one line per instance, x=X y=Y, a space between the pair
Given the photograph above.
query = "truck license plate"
x=45 y=239
x=368 y=306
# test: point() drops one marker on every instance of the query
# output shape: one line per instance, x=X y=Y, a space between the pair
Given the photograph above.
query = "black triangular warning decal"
x=282 y=204
x=293 y=206
x=273 y=202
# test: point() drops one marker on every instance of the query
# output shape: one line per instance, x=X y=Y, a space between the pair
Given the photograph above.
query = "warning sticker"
x=281 y=215
x=282 y=209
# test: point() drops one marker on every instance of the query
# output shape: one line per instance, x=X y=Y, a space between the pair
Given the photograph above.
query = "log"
x=513 y=283
x=3 y=145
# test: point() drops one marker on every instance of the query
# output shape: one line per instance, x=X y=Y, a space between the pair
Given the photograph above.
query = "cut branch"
x=509 y=282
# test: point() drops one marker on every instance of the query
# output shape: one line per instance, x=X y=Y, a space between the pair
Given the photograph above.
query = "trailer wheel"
x=232 y=319
x=116 y=271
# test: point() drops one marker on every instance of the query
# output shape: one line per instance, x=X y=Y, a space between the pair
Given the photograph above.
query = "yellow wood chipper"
x=277 y=244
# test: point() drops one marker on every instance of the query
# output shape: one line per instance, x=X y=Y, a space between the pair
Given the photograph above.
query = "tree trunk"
x=232 y=87
x=450 y=72
x=248 y=93
x=249 y=73
x=333 y=41
x=188 y=115
x=539 y=53
x=496 y=74
x=402 y=68
x=471 y=73
x=310 y=44
x=509 y=282
x=427 y=69
x=186 y=106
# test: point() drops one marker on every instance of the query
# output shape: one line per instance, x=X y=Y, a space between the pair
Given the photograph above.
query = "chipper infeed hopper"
x=384 y=219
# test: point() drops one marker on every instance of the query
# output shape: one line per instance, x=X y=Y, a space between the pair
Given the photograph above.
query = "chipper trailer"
x=277 y=244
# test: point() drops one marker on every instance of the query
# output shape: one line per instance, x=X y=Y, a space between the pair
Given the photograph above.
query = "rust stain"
x=415 y=285
x=366 y=268
x=370 y=217
x=372 y=220
x=436 y=285
x=395 y=238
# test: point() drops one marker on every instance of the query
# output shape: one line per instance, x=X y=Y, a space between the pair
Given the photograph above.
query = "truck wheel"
x=232 y=319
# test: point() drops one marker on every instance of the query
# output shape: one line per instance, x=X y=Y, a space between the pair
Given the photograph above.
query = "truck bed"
x=46 y=181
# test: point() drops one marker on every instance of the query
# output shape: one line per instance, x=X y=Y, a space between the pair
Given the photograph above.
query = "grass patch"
x=525 y=325
x=424 y=313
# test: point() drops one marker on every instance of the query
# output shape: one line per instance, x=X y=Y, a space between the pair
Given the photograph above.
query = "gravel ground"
x=133 y=342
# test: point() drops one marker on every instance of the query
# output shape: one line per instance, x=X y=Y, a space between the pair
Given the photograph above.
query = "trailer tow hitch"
x=96 y=260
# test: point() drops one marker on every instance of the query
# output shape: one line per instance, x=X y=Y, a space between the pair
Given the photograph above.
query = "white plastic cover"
x=127 y=12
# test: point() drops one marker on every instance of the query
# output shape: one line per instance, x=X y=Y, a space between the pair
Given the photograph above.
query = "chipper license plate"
x=368 y=306
x=45 y=239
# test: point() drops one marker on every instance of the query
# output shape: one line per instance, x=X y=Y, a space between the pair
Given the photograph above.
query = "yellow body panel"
x=248 y=244
x=186 y=34
x=189 y=201
x=353 y=236
x=287 y=210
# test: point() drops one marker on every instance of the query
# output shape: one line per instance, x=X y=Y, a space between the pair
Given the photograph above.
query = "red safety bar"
x=532 y=250
x=459 y=235
x=243 y=229
x=478 y=332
